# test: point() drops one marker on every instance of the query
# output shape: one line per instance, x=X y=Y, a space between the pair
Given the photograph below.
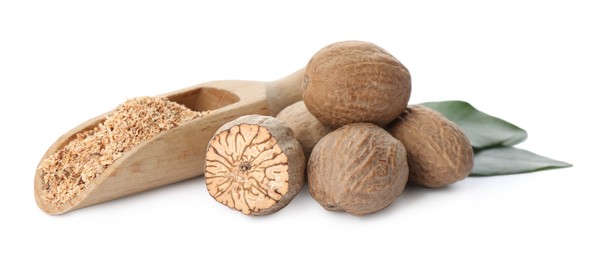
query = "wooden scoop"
x=177 y=154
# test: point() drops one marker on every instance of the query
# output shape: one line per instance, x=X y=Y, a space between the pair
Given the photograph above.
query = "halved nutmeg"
x=254 y=165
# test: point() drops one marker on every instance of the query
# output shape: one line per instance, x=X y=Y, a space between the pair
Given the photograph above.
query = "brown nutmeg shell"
x=353 y=81
x=358 y=168
x=307 y=129
x=438 y=152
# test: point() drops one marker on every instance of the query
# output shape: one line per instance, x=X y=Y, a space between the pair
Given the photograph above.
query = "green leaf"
x=510 y=160
x=483 y=130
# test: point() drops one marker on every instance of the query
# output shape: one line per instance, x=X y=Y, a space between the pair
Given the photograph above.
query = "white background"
x=538 y=64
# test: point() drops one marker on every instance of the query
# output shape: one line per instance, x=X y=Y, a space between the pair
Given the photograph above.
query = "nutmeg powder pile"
x=69 y=170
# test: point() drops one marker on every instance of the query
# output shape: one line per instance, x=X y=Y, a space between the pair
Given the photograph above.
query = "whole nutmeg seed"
x=308 y=130
x=359 y=168
x=254 y=165
x=353 y=81
x=438 y=152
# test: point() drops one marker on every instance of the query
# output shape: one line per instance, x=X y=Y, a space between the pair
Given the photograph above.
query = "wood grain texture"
x=177 y=154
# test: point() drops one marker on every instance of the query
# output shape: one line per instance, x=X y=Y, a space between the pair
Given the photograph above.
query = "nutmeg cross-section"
x=246 y=169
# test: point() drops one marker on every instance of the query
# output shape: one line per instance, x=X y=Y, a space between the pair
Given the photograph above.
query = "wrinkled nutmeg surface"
x=438 y=152
x=359 y=168
x=254 y=165
x=354 y=81
x=308 y=130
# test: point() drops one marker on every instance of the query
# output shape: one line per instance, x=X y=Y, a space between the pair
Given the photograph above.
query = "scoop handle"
x=285 y=91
